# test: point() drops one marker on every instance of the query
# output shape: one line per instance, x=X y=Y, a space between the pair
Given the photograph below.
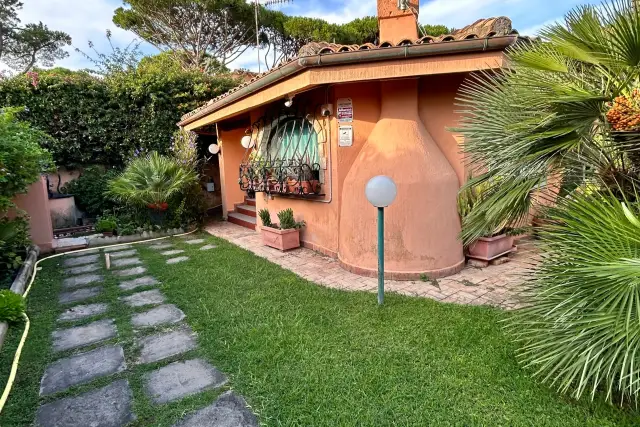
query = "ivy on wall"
x=102 y=120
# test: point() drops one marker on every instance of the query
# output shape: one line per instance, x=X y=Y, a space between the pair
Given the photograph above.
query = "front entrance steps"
x=244 y=214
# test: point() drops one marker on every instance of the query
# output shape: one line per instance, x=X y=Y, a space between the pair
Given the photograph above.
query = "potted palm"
x=283 y=236
x=497 y=240
x=106 y=226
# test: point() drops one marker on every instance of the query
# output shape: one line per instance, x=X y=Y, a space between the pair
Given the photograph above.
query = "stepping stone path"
x=181 y=379
x=82 y=336
x=80 y=312
x=165 y=314
x=81 y=260
x=125 y=262
x=89 y=268
x=123 y=254
x=82 y=253
x=141 y=299
x=79 y=281
x=82 y=368
x=109 y=406
x=174 y=252
x=130 y=285
x=112 y=405
x=135 y=271
x=79 y=295
x=177 y=260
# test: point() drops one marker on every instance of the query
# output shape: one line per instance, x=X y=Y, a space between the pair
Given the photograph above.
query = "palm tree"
x=539 y=131
x=152 y=181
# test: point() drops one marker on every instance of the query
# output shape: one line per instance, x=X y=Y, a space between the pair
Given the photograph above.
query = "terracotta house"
x=311 y=132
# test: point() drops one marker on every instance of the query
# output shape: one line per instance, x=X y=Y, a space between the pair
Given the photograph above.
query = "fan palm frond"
x=151 y=180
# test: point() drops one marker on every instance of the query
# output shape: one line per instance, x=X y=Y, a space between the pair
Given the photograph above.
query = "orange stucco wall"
x=36 y=203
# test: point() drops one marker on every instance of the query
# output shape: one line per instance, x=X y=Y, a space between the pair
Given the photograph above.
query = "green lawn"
x=304 y=355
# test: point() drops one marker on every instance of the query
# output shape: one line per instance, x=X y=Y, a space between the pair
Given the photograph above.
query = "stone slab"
x=141 y=299
x=163 y=315
x=135 y=271
x=79 y=295
x=123 y=254
x=81 y=260
x=117 y=248
x=181 y=379
x=194 y=241
x=177 y=260
x=130 y=285
x=80 y=312
x=229 y=410
x=82 y=368
x=125 y=262
x=167 y=344
x=173 y=252
x=81 y=336
x=208 y=247
x=110 y=406
x=161 y=246
x=79 y=281
x=83 y=269
x=82 y=253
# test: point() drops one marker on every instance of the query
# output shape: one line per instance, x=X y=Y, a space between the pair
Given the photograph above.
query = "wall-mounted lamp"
x=289 y=101
x=247 y=141
x=214 y=148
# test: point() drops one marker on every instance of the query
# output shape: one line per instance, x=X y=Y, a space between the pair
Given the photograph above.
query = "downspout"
x=374 y=55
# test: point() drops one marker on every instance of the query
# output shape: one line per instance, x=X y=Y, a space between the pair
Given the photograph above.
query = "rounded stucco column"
x=422 y=225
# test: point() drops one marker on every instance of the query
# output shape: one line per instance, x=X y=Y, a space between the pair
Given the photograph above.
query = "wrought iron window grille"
x=285 y=155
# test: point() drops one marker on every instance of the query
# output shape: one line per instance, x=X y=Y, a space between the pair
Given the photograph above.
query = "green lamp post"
x=381 y=191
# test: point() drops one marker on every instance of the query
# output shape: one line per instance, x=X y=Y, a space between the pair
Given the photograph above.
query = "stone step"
x=228 y=410
x=250 y=202
x=163 y=315
x=110 y=406
x=167 y=344
x=242 y=220
x=82 y=336
x=247 y=210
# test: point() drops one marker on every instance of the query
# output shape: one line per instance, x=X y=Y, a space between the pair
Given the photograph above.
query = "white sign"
x=345 y=110
x=345 y=136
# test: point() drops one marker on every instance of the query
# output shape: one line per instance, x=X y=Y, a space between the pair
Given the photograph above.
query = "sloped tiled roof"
x=481 y=29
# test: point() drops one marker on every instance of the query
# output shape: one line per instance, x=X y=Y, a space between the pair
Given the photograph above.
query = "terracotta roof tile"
x=482 y=28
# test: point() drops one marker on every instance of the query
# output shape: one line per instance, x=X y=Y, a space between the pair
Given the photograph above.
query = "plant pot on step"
x=280 y=239
x=489 y=248
x=107 y=233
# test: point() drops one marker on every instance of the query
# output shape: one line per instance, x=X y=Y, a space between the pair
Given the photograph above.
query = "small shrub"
x=14 y=242
x=90 y=190
x=12 y=306
x=287 y=221
x=265 y=217
x=106 y=225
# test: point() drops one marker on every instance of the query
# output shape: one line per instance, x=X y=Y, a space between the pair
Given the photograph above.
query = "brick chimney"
x=397 y=21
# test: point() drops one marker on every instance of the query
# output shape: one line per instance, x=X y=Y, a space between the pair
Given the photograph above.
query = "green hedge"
x=103 y=120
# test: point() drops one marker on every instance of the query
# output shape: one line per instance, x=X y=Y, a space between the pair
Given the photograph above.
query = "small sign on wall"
x=345 y=110
x=345 y=136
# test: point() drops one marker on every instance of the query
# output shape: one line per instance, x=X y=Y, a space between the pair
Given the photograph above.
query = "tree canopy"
x=22 y=47
x=207 y=34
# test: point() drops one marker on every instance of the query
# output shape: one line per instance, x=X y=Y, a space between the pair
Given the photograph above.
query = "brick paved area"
x=495 y=285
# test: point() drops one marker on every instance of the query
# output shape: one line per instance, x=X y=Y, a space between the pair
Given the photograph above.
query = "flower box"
x=489 y=248
x=280 y=239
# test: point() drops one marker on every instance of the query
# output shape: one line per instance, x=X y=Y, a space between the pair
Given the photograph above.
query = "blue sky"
x=88 y=20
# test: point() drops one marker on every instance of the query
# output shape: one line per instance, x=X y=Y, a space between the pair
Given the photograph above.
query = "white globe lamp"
x=214 y=148
x=247 y=141
x=381 y=191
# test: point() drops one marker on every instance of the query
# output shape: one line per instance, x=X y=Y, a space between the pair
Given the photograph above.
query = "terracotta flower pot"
x=107 y=233
x=280 y=239
x=488 y=248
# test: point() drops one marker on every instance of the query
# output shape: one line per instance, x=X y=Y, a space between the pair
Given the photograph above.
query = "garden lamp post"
x=381 y=191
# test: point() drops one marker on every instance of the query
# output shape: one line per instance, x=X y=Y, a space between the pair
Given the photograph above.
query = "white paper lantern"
x=214 y=148
x=247 y=141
